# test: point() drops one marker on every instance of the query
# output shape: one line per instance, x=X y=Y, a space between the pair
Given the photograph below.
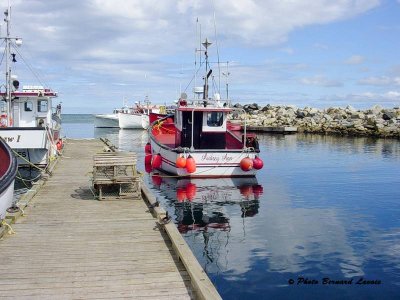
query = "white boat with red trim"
x=197 y=141
x=28 y=122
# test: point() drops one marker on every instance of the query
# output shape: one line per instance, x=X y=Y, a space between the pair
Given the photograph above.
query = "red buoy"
x=59 y=144
x=191 y=191
x=258 y=190
x=147 y=163
x=148 y=168
x=190 y=164
x=257 y=163
x=181 y=161
x=181 y=194
x=157 y=180
x=147 y=148
x=157 y=160
x=246 y=164
x=147 y=159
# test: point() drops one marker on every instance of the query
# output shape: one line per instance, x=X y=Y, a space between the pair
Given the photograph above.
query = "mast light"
x=206 y=44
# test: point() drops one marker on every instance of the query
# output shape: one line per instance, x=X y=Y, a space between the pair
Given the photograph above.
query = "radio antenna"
x=216 y=44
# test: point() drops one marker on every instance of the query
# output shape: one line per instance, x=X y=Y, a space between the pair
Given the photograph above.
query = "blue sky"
x=96 y=53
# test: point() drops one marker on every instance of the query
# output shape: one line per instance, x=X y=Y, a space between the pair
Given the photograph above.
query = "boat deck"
x=70 y=246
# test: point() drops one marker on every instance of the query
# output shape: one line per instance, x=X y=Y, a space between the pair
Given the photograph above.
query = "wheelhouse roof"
x=205 y=109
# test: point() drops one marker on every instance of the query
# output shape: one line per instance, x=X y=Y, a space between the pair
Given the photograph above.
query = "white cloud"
x=320 y=80
x=320 y=46
x=355 y=60
x=108 y=41
x=388 y=98
x=288 y=50
x=380 y=81
x=392 y=95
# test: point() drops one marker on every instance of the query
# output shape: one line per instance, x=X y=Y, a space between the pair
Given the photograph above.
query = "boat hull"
x=32 y=145
x=133 y=121
x=209 y=163
x=8 y=171
x=106 y=121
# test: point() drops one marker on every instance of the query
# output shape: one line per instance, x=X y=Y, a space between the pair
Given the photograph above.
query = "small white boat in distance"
x=138 y=117
x=109 y=120
x=135 y=119
x=106 y=121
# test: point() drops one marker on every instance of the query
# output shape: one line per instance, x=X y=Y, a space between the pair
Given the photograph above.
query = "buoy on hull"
x=246 y=164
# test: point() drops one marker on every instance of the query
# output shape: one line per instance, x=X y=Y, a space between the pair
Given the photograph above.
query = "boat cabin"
x=201 y=128
x=31 y=107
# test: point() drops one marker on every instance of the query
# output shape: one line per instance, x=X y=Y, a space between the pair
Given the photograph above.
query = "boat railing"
x=208 y=103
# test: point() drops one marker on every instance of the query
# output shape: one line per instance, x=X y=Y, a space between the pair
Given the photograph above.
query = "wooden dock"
x=70 y=246
x=274 y=129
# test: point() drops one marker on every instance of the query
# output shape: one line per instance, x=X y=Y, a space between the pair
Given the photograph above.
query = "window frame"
x=40 y=106
x=26 y=104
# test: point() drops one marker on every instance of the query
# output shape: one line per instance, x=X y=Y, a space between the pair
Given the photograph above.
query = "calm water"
x=322 y=207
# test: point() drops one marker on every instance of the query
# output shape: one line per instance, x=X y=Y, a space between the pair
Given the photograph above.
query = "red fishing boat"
x=197 y=141
x=8 y=171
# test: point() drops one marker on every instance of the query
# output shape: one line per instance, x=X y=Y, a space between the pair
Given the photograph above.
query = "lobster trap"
x=115 y=176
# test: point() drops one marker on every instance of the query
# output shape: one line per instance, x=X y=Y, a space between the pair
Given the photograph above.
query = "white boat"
x=106 y=121
x=136 y=119
x=138 y=116
x=110 y=120
x=8 y=171
x=28 y=122
x=197 y=141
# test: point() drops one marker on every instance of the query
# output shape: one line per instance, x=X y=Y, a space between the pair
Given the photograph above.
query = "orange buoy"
x=181 y=161
x=157 y=160
x=190 y=164
x=246 y=190
x=257 y=163
x=191 y=191
x=147 y=148
x=246 y=164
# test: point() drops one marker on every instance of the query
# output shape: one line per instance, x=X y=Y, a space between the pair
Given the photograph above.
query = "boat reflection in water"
x=209 y=212
x=201 y=204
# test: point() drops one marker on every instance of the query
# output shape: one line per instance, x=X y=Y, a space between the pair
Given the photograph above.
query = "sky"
x=98 y=53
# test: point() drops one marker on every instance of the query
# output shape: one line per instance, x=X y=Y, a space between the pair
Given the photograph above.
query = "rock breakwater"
x=376 y=121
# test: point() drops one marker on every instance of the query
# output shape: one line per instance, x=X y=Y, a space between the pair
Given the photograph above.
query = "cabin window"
x=28 y=106
x=215 y=119
x=42 y=106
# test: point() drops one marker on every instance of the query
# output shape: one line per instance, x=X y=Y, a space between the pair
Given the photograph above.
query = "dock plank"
x=70 y=246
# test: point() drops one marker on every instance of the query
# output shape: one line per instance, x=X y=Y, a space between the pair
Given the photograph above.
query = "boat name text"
x=217 y=159
x=11 y=139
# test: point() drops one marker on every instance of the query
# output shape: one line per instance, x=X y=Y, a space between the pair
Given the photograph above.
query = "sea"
x=321 y=220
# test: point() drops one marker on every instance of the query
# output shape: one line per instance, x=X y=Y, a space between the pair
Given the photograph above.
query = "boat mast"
x=8 y=68
x=8 y=55
x=206 y=44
